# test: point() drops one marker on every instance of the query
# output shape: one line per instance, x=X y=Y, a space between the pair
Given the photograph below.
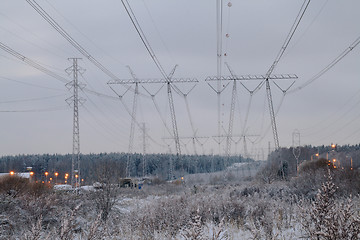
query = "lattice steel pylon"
x=75 y=100
x=144 y=149
x=265 y=79
x=296 y=147
x=169 y=81
x=219 y=89
x=133 y=119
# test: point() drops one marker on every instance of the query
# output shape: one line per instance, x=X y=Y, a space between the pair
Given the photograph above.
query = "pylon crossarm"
x=151 y=80
x=251 y=77
x=283 y=90
x=153 y=95
x=120 y=96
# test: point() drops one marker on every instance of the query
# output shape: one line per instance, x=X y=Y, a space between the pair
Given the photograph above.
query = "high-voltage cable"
x=67 y=36
x=32 y=63
x=329 y=66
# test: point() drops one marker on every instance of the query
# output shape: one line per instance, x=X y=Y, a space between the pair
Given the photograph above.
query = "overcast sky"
x=36 y=119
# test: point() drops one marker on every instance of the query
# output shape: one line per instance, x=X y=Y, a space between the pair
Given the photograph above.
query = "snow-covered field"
x=234 y=204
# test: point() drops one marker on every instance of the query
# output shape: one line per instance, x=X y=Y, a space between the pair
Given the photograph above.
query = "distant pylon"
x=144 y=149
x=296 y=147
x=75 y=100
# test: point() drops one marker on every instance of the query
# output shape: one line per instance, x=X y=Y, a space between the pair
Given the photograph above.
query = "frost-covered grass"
x=229 y=209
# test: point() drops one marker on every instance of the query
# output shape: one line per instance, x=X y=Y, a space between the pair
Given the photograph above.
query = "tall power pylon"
x=75 y=100
x=219 y=29
x=144 y=149
x=296 y=147
x=134 y=110
x=264 y=79
x=169 y=81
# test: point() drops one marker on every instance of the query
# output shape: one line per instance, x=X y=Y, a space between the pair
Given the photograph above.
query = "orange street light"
x=12 y=173
x=31 y=176
x=46 y=175
x=56 y=175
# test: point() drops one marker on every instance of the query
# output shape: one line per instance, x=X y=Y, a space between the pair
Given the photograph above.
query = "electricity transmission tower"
x=144 y=149
x=201 y=140
x=169 y=81
x=133 y=118
x=296 y=147
x=185 y=95
x=264 y=80
x=75 y=100
x=219 y=88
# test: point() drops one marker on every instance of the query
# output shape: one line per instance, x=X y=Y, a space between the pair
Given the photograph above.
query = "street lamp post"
x=56 y=175
x=46 y=175
x=316 y=155
x=66 y=177
x=31 y=176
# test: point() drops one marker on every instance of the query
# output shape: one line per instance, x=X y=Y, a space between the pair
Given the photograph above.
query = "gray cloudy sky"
x=36 y=119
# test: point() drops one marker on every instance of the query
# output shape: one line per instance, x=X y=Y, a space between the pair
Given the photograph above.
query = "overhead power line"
x=32 y=63
x=72 y=41
x=167 y=77
x=143 y=38
x=289 y=36
x=30 y=84
x=47 y=71
x=32 y=99
x=50 y=109
x=272 y=68
x=329 y=66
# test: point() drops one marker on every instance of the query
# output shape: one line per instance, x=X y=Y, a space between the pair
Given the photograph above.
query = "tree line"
x=139 y=165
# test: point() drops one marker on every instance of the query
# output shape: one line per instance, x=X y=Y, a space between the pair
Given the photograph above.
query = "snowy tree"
x=330 y=218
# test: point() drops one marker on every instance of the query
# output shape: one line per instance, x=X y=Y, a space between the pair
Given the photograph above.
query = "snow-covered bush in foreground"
x=329 y=217
x=247 y=210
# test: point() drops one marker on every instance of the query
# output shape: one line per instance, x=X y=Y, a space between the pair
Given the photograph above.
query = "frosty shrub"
x=195 y=229
x=328 y=217
x=348 y=181
x=15 y=186
x=105 y=196
x=268 y=172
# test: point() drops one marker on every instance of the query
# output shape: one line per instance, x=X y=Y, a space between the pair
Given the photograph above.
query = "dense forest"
x=140 y=165
x=282 y=161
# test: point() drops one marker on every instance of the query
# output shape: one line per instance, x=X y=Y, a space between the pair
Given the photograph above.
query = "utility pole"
x=75 y=100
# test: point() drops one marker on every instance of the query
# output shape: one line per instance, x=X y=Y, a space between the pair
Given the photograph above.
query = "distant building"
x=22 y=175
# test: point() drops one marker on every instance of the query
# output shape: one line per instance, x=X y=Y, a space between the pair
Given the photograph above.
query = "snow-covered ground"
x=224 y=205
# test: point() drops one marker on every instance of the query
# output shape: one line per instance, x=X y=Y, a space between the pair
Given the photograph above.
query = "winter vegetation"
x=244 y=200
